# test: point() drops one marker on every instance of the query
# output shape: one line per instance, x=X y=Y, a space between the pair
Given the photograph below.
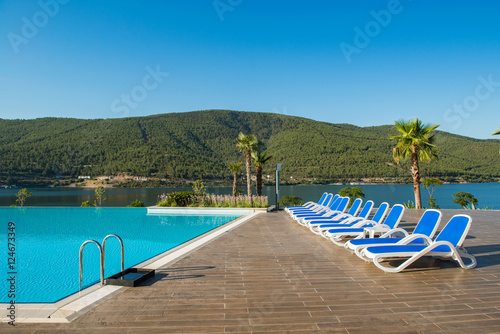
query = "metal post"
x=278 y=168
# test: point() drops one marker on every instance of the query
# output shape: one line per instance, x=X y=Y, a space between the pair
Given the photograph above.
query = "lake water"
x=488 y=194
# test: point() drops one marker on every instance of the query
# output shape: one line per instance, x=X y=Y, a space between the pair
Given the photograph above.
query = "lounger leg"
x=461 y=253
x=337 y=240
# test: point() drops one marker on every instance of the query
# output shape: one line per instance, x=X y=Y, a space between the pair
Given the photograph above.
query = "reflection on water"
x=486 y=193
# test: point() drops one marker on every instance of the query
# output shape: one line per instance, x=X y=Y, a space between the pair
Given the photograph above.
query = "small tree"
x=198 y=187
x=99 y=196
x=22 y=196
x=352 y=193
x=235 y=168
x=431 y=184
x=464 y=199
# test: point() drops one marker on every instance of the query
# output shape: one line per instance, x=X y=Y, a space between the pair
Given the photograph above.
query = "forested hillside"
x=200 y=145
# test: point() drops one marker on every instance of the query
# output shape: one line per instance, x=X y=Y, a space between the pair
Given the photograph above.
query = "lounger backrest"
x=366 y=209
x=355 y=207
x=394 y=216
x=335 y=197
x=322 y=199
x=343 y=204
x=456 y=230
x=428 y=223
x=327 y=200
x=381 y=212
x=335 y=203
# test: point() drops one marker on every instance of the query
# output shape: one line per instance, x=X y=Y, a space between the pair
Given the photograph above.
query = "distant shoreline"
x=188 y=184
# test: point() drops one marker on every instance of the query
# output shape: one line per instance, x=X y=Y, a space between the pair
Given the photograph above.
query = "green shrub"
x=180 y=198
x=352 y=193
x=188 y=198
x=86 y=204
x=136 y=204
x=409 y=205
x=291 y=201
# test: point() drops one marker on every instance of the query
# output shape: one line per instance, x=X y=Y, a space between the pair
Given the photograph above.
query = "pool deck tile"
x=271 y=275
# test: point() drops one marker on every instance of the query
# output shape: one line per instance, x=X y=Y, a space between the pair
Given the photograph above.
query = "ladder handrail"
x=81 y=260
x=104 y=248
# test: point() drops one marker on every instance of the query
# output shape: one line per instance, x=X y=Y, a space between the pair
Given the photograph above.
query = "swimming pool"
x=48 y=242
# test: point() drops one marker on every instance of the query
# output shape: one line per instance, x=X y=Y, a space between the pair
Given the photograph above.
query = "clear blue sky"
x=353 y=61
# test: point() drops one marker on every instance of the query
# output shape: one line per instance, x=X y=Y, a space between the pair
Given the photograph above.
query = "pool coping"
x=76 y=305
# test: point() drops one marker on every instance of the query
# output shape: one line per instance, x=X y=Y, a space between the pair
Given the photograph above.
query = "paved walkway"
x=272 y=276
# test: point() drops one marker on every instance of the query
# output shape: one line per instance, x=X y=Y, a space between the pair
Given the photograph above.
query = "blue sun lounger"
x=317 y=226
x=378 y=217
x=392 y=220
x=338 y=207
x=427 y=225
x=333 y=205
x=335 y=215
x=323 y=201
x=447 y=246
x=329 y=199
x=308 y=204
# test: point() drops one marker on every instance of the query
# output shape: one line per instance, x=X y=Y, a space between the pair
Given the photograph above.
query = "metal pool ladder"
x=102 y=250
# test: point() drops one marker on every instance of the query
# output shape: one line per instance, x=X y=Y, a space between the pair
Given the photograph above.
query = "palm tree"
x=247 y=144
x=235 y=168
x=415 y=141
x=260 y=160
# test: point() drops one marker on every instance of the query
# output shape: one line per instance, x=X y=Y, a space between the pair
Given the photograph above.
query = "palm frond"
x=414 y=134
x=260 y=159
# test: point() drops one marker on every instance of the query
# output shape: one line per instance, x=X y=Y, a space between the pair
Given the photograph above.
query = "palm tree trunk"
x=258 y=172
x=415 y=173
x=235 y=183
x=248 y=157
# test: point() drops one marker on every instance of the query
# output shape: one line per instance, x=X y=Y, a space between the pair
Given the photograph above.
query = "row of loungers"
x=352 y=229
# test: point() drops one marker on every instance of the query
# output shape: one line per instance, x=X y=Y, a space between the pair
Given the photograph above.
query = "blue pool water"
x=48 y=242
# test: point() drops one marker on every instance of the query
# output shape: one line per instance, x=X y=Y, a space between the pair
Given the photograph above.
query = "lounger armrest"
x=364 y=222
x=333 y=213
x=343 y=216
x=394 y=231
x=413 y=237
x=383 y=226
x=345 y=220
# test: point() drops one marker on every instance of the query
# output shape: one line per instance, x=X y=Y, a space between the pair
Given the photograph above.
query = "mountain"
x=201 y=144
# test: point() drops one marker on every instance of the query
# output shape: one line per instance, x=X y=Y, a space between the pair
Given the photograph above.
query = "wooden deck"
x=271 y=275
